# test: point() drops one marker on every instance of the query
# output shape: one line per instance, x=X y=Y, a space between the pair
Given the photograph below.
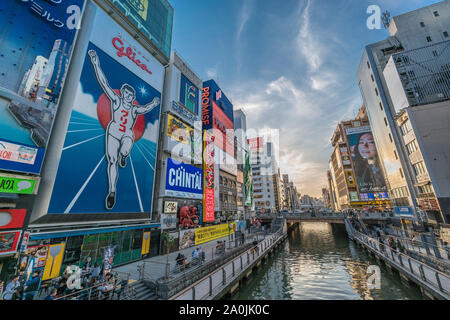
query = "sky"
x=289 y=64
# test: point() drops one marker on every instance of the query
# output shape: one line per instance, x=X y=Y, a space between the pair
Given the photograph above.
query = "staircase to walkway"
x=140 y=291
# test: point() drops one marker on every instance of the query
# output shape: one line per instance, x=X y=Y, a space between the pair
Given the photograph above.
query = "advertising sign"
x=54 y=261
x=152 y=17
x=256 y=144
x=183 y=141
x=369 y=176
x=208 y=183
x=9 y=241
x=145 y=243
x=18 y=185
x=224 y=130
x=350 y=178
x=108 y=258
x=12 y=218
x=189 y=214
x=183 y=180
x=39 y=253
x=113 y=130
x=36 y=49
x=187 y=238
x=403 y=211
x=219 y=98
x=169 y=221
x=170 y=207
x=248 y=184
x=189 y=94
x=207 y=234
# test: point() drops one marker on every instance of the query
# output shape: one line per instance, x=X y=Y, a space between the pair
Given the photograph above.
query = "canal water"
x=319 y=262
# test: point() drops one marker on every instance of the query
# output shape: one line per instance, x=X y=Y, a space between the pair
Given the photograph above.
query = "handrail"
x=376 y=245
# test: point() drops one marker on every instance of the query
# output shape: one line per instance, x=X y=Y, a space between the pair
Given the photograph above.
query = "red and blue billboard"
x=220 y=99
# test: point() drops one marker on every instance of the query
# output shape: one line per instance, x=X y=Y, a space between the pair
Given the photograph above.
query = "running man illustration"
x=119 y=132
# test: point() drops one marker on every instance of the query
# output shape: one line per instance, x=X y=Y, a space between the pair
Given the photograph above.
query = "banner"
x=113 y=130
x=187 y=238
x=145 y=243
x=368 y=173
x=207 y=234
x=189 y=94
x=208 y=184
x=54 y=261
x=36 y=46
x=169 y=221
x=248 y=183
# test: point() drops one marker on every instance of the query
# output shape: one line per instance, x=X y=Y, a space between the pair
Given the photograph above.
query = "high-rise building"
x=408 y=70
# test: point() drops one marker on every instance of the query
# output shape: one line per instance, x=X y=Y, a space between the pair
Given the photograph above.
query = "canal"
x=318 y=261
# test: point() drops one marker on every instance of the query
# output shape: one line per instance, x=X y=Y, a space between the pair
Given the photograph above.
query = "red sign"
x=224 y=132
x=208 y=176
x=255 y=143
x=129 y=53
x=205 y=107
x=12 y=218
x=9 y=242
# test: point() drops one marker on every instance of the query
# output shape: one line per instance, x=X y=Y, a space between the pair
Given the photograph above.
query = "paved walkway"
x=155 y=267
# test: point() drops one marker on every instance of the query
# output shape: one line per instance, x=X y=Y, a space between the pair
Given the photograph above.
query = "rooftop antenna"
x=386 y=18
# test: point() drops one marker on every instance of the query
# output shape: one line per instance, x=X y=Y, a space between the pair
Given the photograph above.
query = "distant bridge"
x=337 y=217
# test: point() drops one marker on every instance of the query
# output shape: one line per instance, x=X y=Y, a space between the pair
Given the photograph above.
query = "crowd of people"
x=92 y=276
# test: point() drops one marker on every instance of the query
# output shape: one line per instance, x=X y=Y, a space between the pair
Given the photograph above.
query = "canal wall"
x=432 y=283
x=227 y=279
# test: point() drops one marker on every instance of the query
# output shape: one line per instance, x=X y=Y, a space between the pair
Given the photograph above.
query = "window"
x=376 y=92
x=436 y=14
x=422 y=24
x=445 y=34
x=406 y=127
x=401 y=172
x=435 y=53
x=390 y=138
x=373 y=79
x=385 y=122
x=368 y=64
x=381 y=106
x=395 y=154
x=411 y=147
x=429 y=39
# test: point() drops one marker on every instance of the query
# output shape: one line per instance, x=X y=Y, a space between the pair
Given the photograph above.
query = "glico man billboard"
x=108 y=160
x=36 y=45
x=368 y=172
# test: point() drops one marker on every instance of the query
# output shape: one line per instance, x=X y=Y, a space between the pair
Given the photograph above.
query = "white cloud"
x=84 y=103
x=151 y=131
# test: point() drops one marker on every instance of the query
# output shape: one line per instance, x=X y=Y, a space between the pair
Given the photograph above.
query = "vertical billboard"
x=248 y=183
x=36 y=45
x=208 y=174
x=108 y=160
x=367 y=167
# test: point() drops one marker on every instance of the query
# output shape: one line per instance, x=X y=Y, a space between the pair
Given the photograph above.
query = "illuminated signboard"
x=224 y=133
x=255 y=143
x=219 y=98
x=189 y=94
x=18 y=185
x=208 y=183
x=114 y=127
x=183 y=180
x=9 y=241
x=154 y=18
x=12 y=218
x=36 y=47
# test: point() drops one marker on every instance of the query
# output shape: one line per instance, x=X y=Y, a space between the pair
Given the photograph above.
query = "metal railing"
x=435 y=280
x=211 y=285
x=104 y=290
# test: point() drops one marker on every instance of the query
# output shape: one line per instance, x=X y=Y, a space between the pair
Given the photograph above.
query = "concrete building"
x=408 y=69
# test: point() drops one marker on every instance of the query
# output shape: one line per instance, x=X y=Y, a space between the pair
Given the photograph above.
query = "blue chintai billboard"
x=108 y=160
x=183 y=180
x=37 y=38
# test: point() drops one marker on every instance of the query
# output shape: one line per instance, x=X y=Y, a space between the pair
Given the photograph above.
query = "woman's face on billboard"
x=367 y=147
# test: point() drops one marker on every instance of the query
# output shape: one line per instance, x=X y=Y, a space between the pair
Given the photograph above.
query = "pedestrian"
x=447 y=249
x=95 y=271
x=11 y=288
x=243 y=237
x=32 y=285
x=52 y=294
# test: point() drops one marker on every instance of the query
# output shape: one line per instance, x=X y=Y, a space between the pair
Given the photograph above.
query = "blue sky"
x=289 y=64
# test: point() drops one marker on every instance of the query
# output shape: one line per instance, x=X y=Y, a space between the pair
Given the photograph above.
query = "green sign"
x=16 y=185
x=248 y=183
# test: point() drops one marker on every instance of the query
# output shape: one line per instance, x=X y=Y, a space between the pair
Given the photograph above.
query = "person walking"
x=32 y=286
x=11 y=288
x=52 y=294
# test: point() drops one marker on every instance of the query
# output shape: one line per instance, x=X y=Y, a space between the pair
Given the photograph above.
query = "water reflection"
x=320 y=262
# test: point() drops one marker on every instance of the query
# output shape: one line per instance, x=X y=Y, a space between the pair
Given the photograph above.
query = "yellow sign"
x=178 y=130
x=146 y=243
x=207 y=234
x=350 y=178
x=141 y=7
x=54 y=261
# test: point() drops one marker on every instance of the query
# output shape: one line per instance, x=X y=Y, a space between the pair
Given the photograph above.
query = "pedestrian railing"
x=211 y=285
x=435 y=280
x=103 y=290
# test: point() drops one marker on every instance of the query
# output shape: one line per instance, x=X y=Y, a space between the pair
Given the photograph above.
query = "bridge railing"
x=434 y=279
x=211 y=285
